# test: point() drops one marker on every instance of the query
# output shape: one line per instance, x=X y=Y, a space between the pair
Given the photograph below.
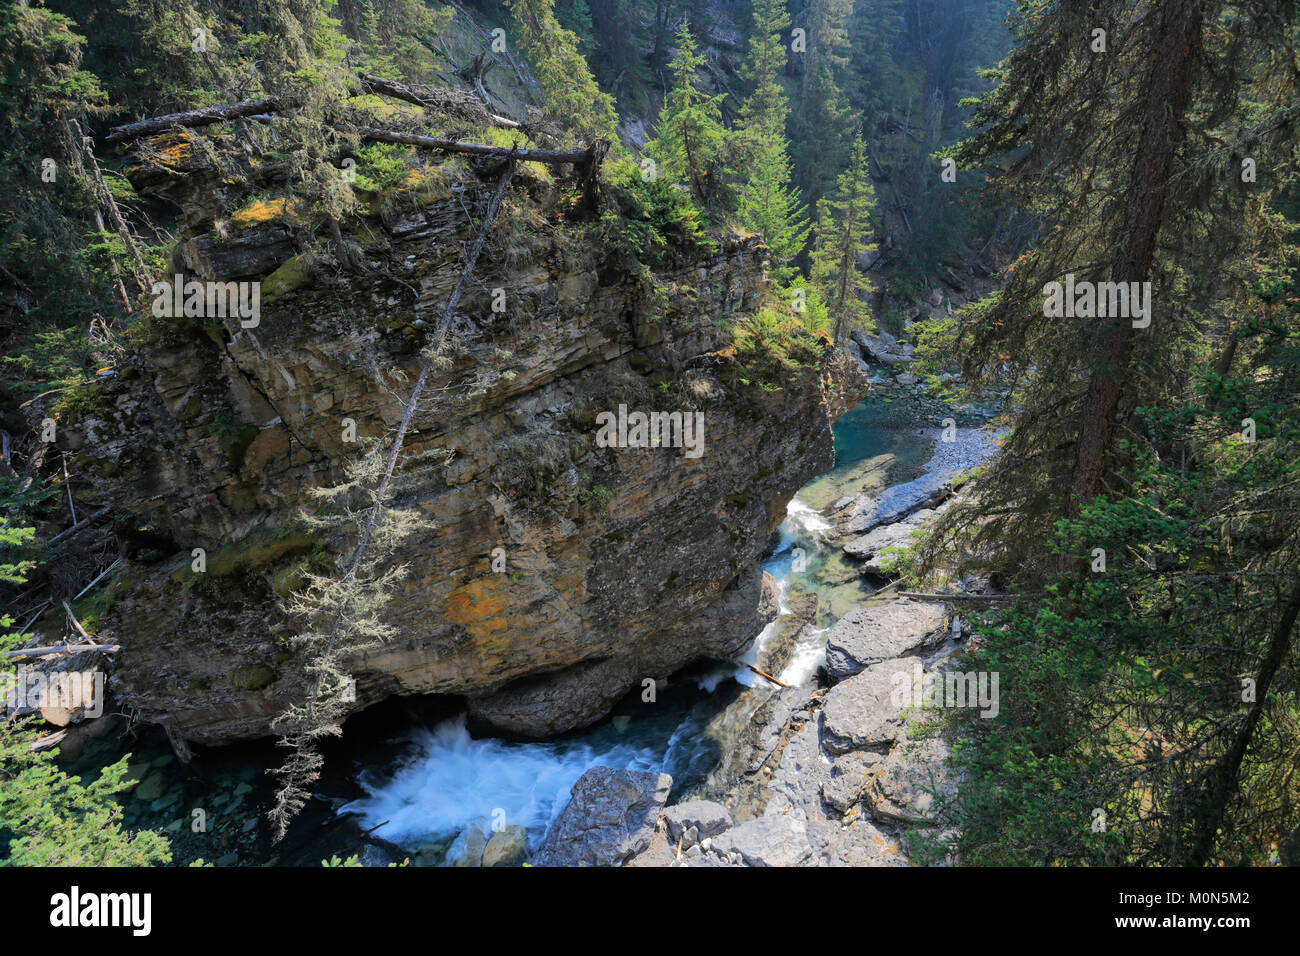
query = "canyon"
x=620 y=564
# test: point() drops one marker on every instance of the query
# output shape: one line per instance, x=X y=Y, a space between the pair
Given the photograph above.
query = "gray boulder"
x=850 y=775
x=868 y=635
x=912 y=782
x=778 y=840
x=867 y=709
x=705 y=817
x=610 y=817
x=887 y=536
x=861 y=844
x=796 y=782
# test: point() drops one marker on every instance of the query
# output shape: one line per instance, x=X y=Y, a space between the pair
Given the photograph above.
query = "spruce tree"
x=571 y=98
x=843 y=234
x=767 y=202
x=690 y=140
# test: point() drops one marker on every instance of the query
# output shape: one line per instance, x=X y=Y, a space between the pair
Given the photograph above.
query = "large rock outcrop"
x=620 y=564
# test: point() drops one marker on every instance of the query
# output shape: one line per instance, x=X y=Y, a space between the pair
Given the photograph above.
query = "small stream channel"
x=411 y=770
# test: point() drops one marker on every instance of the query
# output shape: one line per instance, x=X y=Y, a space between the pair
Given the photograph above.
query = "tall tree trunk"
x=1173 y=67
x=1224 y=778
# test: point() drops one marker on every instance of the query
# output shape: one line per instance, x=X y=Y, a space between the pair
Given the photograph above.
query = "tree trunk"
x=1168 y=94
x=1224 y=778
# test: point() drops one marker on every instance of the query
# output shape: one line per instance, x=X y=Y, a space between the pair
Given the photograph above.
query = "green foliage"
x=48 y=818
x=843 y=234
x=1124 y=687
x=570 y=94
x=690 y=140
x=767 y=201
x=652 y=215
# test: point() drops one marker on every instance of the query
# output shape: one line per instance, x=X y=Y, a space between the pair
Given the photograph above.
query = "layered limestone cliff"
x=621 y=564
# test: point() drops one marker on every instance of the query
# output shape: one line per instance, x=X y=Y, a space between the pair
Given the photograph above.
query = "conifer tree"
x=767 y=202
x=571 y=98
x=690 y=140
x=844 y=233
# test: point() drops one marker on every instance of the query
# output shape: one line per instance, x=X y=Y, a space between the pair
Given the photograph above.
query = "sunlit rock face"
x=617 y=564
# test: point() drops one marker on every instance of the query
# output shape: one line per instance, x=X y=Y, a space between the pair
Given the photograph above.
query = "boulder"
x=887 y=536
x=778 y=840
x=868 y=635
x=467 y=849
x=850 y=776
x=705 y=817
x=610 y=817
x=866 y=710
x=507 y=847
x=861 y=844
x=913 y=780
x=796 y=782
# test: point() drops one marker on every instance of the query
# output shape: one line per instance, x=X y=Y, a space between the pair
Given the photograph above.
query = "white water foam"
x=805 y=520
x=808 y=655
x=449 y=779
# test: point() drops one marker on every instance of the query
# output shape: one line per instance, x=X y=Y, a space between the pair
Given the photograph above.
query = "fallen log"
x=63 y=649
x=767 y=675
x=427 y=99
x=191 y=118
x=553 y=157
x=91 y=519
x=929 y=596
x=255 y=109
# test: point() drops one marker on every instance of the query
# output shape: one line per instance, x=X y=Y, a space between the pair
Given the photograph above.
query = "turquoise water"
x=411 y=771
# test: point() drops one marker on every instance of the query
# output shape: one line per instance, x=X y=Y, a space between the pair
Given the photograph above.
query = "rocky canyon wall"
x=620 y=564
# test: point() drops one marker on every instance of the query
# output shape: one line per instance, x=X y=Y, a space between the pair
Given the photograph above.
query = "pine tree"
x=769 y=205
x=572 y=99
x=767 y=202
x=843 y=234
x=1135 y=188
x=690 y=140
x=767 y=105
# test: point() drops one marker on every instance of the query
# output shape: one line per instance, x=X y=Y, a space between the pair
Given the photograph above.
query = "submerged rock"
x=610 y=818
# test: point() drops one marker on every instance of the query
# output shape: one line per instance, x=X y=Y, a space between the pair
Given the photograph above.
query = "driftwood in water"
x=767 y=675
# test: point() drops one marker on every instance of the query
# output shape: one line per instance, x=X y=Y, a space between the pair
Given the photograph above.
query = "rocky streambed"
x=713 y=766
x=826 y=770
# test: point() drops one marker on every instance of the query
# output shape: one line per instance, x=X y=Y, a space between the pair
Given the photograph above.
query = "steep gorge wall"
x=621 y=564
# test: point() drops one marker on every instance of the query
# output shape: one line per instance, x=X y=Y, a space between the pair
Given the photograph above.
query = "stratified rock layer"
x=620 y=564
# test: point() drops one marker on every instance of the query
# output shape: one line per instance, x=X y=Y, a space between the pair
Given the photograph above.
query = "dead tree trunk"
x=79 y=145
x=189 y=119
x=302 y=769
